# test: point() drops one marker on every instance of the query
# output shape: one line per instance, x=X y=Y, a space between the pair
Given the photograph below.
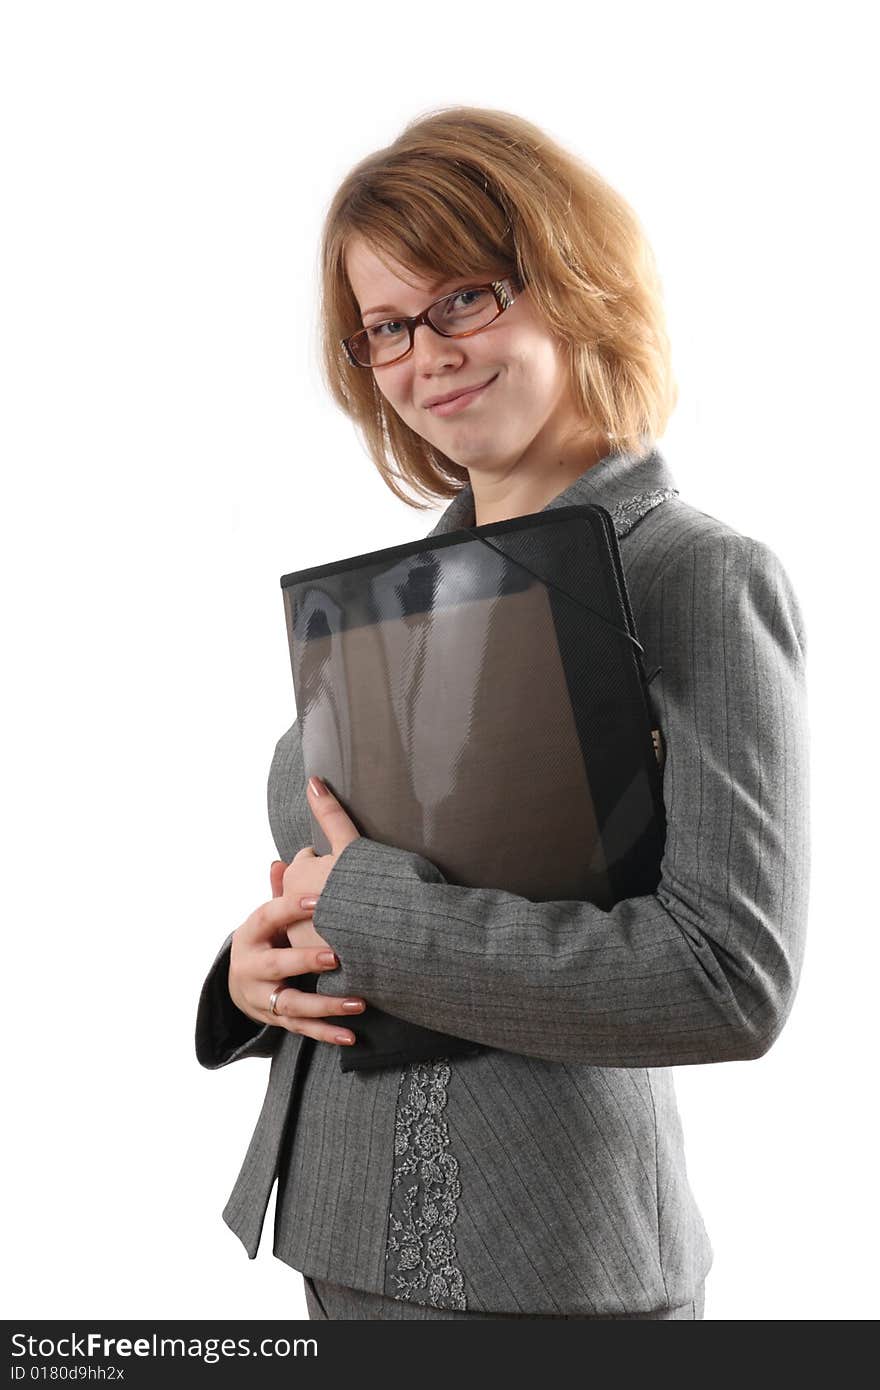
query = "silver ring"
x=273 y=999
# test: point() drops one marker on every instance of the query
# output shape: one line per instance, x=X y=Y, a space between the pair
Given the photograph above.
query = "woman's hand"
x=266 y=948
x=304 y=877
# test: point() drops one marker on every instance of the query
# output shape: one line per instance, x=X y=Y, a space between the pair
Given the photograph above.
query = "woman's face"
x=519 y=423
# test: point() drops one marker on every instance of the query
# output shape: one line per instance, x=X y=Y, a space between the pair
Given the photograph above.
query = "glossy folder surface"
x=480 y=697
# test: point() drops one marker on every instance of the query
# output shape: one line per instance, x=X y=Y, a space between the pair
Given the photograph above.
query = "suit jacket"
x=547 y=1174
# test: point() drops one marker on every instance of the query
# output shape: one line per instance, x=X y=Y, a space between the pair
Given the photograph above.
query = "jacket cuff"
x=223 y=1033
x=346 y=909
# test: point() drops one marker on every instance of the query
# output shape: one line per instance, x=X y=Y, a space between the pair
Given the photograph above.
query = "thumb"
x=276 y=876
x=332 y=816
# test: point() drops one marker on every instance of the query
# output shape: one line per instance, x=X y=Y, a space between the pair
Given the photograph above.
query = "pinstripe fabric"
x=548 y=1175
x=326 y=1301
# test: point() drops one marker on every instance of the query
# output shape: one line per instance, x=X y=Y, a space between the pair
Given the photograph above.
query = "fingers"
x=281 y=961
x=270 y=919
x=300 y=1012
x=332 y=816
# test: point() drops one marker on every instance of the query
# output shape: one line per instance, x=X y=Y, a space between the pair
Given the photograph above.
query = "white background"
x=169 y=451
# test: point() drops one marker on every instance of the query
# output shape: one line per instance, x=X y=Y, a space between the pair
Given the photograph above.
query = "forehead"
x=384 y=281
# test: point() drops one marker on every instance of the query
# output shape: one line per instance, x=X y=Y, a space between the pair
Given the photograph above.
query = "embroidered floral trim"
x=420 y=1250
x=627 y=513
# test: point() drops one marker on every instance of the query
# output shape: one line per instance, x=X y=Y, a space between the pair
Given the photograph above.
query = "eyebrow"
x=390 y=308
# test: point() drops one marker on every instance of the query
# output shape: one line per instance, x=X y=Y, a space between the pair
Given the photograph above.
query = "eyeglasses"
x=456 y=315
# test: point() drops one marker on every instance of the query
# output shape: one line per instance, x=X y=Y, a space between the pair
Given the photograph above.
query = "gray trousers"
x=334 y=1301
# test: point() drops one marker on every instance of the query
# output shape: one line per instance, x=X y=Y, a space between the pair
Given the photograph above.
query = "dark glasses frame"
x=504 y=290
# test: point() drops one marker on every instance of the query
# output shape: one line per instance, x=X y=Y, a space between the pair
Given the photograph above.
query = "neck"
x=520 y=493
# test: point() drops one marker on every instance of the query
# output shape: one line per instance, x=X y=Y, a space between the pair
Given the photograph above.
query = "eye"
x=394 y=325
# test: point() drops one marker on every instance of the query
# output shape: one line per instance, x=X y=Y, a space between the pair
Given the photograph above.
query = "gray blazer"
x=547 y=1175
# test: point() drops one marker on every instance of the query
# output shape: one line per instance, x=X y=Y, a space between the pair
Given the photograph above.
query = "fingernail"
x=316 y=787
x=328 y=957
x=344 y=1038
x=351 y=1004
x=308 y=902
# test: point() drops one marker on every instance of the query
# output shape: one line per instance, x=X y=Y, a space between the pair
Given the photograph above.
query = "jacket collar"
x=625 y=485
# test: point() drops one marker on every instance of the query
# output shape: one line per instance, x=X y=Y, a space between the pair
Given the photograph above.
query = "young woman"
x=545 y=1176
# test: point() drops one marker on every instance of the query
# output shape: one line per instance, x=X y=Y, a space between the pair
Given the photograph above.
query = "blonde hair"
x=460 y=191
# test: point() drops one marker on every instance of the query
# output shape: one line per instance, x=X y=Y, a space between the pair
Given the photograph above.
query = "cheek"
x=399 y=400
x=544 y=378
x=398 y=392
x=527 y=377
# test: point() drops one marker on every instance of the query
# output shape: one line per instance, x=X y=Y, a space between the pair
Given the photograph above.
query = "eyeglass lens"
x=462 y=312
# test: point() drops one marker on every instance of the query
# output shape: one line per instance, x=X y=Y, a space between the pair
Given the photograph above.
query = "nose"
x=431 y=348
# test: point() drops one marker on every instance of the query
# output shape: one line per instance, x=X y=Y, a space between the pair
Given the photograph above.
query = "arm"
x=705 y=969
x=223 y=1033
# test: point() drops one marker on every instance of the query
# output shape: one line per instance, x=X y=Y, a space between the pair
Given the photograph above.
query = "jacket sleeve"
x=223 y=1033
x=705 y=968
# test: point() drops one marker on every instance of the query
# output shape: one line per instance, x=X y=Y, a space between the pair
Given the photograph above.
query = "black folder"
x=480 y=698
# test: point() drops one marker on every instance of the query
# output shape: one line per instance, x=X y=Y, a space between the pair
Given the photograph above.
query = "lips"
x=466 y=391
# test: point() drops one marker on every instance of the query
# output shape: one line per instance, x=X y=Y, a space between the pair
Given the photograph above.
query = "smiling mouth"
x=447 y=407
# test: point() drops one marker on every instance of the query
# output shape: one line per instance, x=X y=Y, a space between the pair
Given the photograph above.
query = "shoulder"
x=675 y=537
x=699 y=560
